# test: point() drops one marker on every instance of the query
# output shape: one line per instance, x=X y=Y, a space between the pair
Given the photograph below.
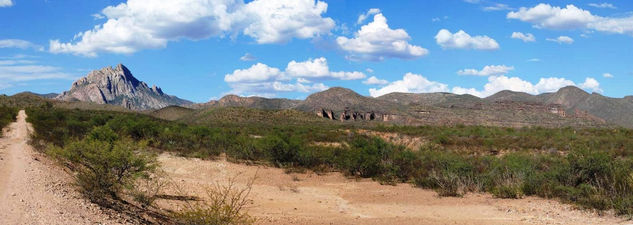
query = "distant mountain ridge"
x=570 y=106
x=117 y=86
x=249 y=102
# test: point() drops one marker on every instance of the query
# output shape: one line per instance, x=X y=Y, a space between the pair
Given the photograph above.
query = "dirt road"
x=33 y=190
x=281 y=198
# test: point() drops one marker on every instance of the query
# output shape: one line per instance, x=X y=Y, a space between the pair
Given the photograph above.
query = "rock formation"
x=117 y=86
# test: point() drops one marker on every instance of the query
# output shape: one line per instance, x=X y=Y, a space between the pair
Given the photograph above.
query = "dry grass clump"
x=225 y=204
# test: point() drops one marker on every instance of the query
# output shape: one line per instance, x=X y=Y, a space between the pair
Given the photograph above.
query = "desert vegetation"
x=7 y=115
x=589 y=167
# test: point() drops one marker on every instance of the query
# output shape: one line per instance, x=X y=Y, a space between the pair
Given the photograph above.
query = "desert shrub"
x=225 y=205
x=507 y=175
x=448 y=173
x=147 y=189
x=367 y=156
x=7 y=115
x=106 y=164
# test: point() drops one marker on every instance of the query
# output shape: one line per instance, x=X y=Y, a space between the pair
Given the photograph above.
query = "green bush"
x=7 y=115
x=106 y=164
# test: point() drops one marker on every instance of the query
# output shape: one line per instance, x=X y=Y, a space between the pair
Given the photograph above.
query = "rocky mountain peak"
x=568 y=96
x=117 y=86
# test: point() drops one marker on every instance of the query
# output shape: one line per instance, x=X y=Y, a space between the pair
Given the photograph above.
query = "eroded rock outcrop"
x=117 y=86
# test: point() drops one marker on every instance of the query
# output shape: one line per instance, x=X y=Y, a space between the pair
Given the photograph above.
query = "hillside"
x=117 y=86
x=338 y=99
x=171 y=113
x=250 y=102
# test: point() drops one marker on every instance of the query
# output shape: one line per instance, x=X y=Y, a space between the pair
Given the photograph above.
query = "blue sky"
x=203 y=49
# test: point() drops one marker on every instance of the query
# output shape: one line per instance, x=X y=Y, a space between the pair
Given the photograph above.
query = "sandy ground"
x=280 y=198
x=33 y=190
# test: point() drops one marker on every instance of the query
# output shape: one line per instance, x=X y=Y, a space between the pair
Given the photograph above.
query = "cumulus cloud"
x=319 y=69
x=603 y=5
x=376 y=41
x=462 y=40
x=561 y=40
x=6 y=3
x=551 y=84
x=15 y=70
x=527 y=37
x=500 y=83
x=271 y=89
x=571 y=17
x=151 y=24
x=607 y=75
x=373 y=80
x=263 y=80
x=256 y=73
x=411 y=83
x=591 y=84
x=17 y=43
x=492 y=70
x=248 y=57
x=369 y=13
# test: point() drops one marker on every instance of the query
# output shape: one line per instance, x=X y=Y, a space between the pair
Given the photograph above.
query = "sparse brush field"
x=592 y=168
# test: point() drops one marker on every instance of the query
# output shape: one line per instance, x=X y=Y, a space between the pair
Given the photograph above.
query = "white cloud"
x=571 y=17
x=534 y=60
x=270 y=89
x=373 y=80
x=263 y=80
x=97 y=16
x=500 y=83
x=319 y=69
x=497 y=7
x=527 y=37
x=151 y=24
x=591 y=84
x=561 y=40
x=607 y=75
x=369 y=13
x=311 y=68
x=603 y=5
x=462 y=40
x=256 y=73
x=376 y=41
x=277 y=21
x=411 y=83
x=248 y=57
x=552 y=84
x=438 y=19
x=17 y=43
x=492 y=70
x=6 y=3
x=14 y=70
x=369 y=70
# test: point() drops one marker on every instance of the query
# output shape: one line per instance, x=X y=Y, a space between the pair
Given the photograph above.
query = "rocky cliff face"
x=117 y=86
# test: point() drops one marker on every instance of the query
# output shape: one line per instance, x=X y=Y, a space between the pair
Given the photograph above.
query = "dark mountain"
x=339 y=99
x=251 y=102
x=432 y=99
x=49 y=95
x=117 y=86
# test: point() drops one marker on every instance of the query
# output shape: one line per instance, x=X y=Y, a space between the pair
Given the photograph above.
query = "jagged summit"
x=117 y=86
